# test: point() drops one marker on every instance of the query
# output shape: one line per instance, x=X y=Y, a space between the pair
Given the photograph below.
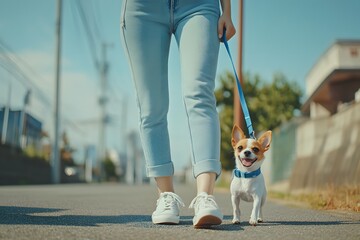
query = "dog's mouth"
x=247 y=162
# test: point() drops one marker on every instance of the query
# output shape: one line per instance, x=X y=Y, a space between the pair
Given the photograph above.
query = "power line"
x=23 y=63
x=92 y=30
x=89 y=33
x=14 y=65
x=97 y=18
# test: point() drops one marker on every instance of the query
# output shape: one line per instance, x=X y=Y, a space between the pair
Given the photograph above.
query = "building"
x=333 y=80
x=321 y=148
x=135 y=161
x=19 y=122
x=327 y=144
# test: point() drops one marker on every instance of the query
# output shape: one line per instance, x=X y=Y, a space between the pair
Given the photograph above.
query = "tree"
x=270 y=105
x=110 y=169
x=225 y=103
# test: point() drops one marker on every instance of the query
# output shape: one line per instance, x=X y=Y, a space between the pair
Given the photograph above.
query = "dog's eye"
x=240 y=148
x=255 y=149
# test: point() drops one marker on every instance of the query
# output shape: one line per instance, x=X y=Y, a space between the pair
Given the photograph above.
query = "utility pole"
x=6 y=117
x=22 y=128
x=104 y=118
x=123 y=127
x=238 y=114
x=55 y=164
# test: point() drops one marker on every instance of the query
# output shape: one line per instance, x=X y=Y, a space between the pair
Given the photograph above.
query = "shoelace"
x=208 y=200
x=174 y=198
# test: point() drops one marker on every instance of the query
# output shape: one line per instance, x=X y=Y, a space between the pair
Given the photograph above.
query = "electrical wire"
x=14 y=65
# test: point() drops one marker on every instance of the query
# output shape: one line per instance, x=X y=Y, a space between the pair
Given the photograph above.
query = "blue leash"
x=241 y=93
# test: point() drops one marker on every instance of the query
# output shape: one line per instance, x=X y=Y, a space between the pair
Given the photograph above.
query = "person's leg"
x=197 y=37
x=146 y=40
x=165 y=184
x=198 y=42
x=205 y=182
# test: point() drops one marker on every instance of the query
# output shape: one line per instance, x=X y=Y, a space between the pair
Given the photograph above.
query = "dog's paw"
x=236 y=220
x=260 y=220
x=253 y=222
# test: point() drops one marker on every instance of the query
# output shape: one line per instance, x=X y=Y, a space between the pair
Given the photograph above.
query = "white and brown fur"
x=249 y=155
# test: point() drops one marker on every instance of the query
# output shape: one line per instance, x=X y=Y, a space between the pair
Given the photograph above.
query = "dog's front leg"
x=260 y=218
x=235 y=201
x=255 y=213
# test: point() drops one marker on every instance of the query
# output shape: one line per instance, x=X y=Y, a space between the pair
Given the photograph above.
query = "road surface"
x=115 y=211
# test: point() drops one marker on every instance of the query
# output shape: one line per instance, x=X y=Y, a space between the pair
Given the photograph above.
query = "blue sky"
x=284 y=36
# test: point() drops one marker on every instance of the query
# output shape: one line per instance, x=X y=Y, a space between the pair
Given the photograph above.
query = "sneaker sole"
x=207 y=221
x=166 y=220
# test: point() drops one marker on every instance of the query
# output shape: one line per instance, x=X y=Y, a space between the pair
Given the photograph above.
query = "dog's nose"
x=247 y=153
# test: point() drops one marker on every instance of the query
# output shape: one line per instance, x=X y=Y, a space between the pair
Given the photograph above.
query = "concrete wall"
x=328 y=151
x=15 y=168
x=283 y=147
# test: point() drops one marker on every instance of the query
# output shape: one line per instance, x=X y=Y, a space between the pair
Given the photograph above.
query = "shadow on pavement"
x=229 y=226
x=27 y=216
x=11 y=215
x=307 y=223
x=187 y=220
x=245 y=223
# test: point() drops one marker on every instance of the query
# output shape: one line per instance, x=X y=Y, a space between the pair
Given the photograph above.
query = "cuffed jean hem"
x=163 y=170
x=207 y=166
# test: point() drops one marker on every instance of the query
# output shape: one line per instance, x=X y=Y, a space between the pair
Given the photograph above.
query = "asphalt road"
x=114 y=211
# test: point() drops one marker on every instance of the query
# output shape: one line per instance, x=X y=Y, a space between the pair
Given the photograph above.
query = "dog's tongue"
x=247 y=162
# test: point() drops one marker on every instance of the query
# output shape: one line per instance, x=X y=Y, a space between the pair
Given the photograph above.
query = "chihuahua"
x=248 y=183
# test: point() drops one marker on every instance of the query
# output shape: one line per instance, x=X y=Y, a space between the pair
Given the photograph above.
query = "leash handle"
x=240 y=91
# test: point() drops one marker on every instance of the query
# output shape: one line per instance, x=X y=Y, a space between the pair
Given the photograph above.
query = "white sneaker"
x=207 y=212
x=167 y=209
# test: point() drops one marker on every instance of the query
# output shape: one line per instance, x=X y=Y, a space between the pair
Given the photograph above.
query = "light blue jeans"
x=147 y=28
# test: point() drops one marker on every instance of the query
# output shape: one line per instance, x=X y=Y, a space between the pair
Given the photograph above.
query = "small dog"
x=248 y=183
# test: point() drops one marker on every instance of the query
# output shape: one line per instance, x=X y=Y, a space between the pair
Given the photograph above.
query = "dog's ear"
x=237 y=135
x=265 y=140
